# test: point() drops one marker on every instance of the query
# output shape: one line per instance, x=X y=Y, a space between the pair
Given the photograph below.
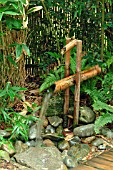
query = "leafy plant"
x=52 y=77
x=106 y=115
x=16 y=123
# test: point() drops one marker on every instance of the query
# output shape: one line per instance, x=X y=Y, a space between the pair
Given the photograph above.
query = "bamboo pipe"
x=68 y=47
x=69 y=81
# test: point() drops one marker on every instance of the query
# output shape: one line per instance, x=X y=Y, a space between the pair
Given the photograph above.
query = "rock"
x=50 y=129
x=4 y=155
x=45 y=123
x=73 y=150
x=19 y=167
x=55 y=120
x=40 y=158
x=79 y=152
x=86 y=115
x=63 y=145
x=88 y=139
x=59 y=129
x=31 y=143
x=107 y=132
x=102 y=147
x=8 y=148
x=20 y=146
x=32 y=132
x=4 y=133
x=97 y=142
x=73 y=141
x=48 y=142
x=53 y=137
x=70 y=162
x=64 y=154
x=65 y=167
x=84 y=131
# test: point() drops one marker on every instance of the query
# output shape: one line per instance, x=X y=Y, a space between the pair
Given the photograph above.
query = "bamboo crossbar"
x=70 y=81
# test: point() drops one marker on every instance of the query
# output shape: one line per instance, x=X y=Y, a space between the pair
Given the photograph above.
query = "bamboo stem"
x=67 y=72
x=102 y=31
x=77 y=86
x=70 y=81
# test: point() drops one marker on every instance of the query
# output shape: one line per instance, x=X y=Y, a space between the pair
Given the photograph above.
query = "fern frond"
x=51 y=78
x=103 y=120
x=98 y=105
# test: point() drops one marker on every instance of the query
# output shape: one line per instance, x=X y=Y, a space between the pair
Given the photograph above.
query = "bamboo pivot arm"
x=69 y=46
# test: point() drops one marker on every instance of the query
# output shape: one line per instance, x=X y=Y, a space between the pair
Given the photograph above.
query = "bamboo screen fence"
x=84 y=25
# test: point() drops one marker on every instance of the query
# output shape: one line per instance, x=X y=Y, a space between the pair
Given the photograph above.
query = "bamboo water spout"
x=69 y=81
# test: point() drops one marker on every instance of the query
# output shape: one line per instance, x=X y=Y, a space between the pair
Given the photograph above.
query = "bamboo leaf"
x=18 y=50
x=34 y=9
x=1 y=14
x=26 y=49
x=11 y=13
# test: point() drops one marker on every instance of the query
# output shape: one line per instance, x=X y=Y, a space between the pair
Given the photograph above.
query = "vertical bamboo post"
x=77 y=86
x=67 y=72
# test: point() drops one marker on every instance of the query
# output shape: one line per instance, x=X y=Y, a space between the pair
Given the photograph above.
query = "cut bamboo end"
x=69 y=46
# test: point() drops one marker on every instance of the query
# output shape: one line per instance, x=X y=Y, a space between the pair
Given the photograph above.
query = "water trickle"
x=41 y=118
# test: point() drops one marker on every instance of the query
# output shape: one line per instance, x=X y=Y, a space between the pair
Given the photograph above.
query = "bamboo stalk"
x=67 y=72
x=68 y=47
x=70 y=81
x=77 y=85
x=102 y=31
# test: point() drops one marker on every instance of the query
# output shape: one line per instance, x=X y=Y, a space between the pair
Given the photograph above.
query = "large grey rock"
x=86 y=115
x=41 y=158
x=84 y=131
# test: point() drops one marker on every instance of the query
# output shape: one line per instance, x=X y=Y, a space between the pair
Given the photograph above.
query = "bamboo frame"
x=77 y=79
x=67 y=72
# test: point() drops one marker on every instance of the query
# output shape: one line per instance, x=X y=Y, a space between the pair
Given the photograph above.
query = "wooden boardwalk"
x=101 y=162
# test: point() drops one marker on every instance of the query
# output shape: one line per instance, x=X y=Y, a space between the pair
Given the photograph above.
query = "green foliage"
x=102 y=121
x=16 y=123
x=52 y=78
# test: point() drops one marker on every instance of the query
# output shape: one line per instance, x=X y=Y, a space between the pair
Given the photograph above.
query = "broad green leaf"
x=21 y=8
x=26 y=49
x=3 y=93
x=11 y=95
x=16 y=88
x=24 y=1
x=11 y=13
x=15 y=5
x=3 y=1
x=9 y=57
x=8 y=86
x=34 y=9
x=4 y=8
x=1 y=14
x=18 y=50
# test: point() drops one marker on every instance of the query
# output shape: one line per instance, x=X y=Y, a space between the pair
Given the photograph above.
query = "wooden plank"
x=102 y=161
x=106 y=156
x=98 y=165
x=84 y=167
